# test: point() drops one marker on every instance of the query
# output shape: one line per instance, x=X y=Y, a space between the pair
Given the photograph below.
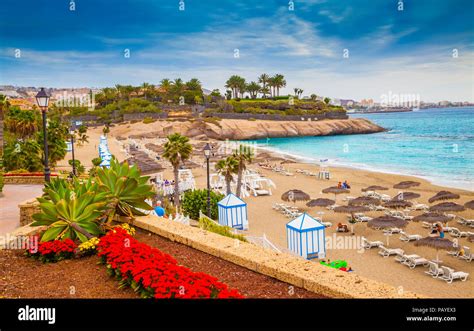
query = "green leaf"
x=51 y=233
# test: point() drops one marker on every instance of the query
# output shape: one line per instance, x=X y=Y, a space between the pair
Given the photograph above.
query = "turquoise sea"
x=436 y=144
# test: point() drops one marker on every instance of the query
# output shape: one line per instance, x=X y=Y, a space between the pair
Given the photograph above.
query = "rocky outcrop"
x=246 y=130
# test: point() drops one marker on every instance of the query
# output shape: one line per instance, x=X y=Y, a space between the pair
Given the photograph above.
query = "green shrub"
x=195 y=201
x=2 y=183
x=80 y=169
x=226 y=231
x=148 y=120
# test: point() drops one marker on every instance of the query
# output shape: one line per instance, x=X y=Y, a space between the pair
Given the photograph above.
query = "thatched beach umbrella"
x=375 y=188
x=443 y=195
x=295 y=195
x=406 y=184
x=406 y=196
x=335 y=190
x=397 y=204
x=447 y=206
x=469 y=204
x=436 y=243
x=384 y=222
x=320 y=202
x=432 y=218
x=364 y=201
x=470 y=238
x=351 y=210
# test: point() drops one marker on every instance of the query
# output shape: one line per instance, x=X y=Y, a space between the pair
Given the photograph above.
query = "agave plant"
x=126 y=190
x=70 y=210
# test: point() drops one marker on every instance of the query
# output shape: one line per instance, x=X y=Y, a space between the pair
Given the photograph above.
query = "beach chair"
x=392 y=231
x=455 y=232
x=402 y=258
x=468 y=255
x=449 y=275
x=434 y=270
x=427 y=225
x=416 y=261
x=386 y=252
x=409 y=237
x=362 y=218
x=420 y=206
x=370 y=244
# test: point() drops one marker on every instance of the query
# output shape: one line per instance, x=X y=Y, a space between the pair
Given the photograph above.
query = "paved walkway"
x=12 y=196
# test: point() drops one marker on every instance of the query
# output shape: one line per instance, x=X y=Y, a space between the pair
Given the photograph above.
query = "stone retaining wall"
x=287 y=268
x=27 y=209
x=273 y=117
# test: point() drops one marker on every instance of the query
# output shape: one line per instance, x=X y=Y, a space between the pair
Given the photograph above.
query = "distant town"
x=24 y=98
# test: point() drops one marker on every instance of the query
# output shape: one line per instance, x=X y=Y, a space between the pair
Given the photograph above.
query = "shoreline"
x=314 y=161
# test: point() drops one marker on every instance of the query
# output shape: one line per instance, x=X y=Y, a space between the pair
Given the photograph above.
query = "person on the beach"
x=346 y=185
x=339 y=185
x=440 y=230
x=160 y=211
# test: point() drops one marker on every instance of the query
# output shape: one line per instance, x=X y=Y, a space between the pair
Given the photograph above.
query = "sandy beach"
x=263 y=219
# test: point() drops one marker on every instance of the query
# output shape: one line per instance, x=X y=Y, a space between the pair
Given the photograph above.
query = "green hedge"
x=196 y=200
x=226 y=231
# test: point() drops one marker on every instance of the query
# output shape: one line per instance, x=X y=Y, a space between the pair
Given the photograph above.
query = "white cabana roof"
x=231 y=201
x=305 y=222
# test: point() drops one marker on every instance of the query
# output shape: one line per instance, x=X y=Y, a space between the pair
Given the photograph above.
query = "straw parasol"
x=351 y=210
x=364 y=201
x=375 y=188
x=406 y=184
x=320 y=202
x=443 y=195
x=406 y=196
x=471 y=238
x=383 y=222
x=436 y=243
x=295 y=195
x=432 y=218
x=335 y=190
x=447 y=206
x=397 y=204
x=469 y=204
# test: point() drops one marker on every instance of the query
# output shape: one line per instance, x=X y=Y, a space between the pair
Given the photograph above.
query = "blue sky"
x=409 y=51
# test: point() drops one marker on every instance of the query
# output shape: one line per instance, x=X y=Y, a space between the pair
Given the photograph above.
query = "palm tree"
x=279 y=82
x=146 y=88
x=243 y=155
x=194 y=85
x=253 y=88
x=231 y=84
x=227 y=168
x=176 y=150
x=263 y=79
x=177 y=87
x=298 y=92
x=23 y=123
x=271 y=84
x=165 y=84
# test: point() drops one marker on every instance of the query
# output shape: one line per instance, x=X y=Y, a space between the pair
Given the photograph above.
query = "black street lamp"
x=42 y=98
x=207 y=154
x=71 y=133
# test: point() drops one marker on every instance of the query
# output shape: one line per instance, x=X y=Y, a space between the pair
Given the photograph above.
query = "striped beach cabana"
x=306 y=237
x=233 y=212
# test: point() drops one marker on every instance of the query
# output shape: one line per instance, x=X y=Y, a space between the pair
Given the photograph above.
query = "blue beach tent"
x=306 y=237
x=233 y=212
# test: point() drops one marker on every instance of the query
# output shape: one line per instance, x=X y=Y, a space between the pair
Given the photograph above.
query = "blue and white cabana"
x=306 y=237
x=233 y=212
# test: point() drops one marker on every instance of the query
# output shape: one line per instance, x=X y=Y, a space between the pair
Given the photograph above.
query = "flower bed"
x=152 y=273
x=52 y=251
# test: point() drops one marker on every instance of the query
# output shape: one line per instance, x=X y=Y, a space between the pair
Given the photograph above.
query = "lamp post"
x=71 y=133
x=207 y=154
x=42 y=98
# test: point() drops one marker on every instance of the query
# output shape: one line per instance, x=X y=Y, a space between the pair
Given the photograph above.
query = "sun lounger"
x=362 y=218
x=409 y=237
x=386 y=252
x=420 y=206
x=404 y=257
x=468 y=255
x=455 y=232
x=416 y=261
x=392 y=230
x=449 y=275
x=426 y=225
x=434 y=271
x=370 y=244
